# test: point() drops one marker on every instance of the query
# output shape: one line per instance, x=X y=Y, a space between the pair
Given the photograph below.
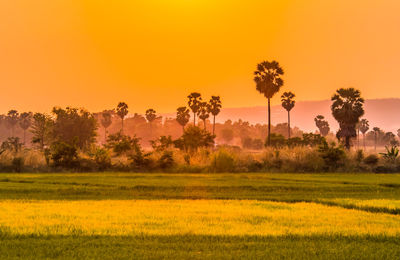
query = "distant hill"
x=383 y=113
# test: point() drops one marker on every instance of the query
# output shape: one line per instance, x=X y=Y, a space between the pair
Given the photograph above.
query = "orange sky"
x=152 y=53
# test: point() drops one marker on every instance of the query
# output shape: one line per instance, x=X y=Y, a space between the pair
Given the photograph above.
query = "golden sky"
x=152 y=53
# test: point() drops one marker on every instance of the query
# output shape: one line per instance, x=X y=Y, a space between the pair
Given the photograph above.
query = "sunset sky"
x=153 y=53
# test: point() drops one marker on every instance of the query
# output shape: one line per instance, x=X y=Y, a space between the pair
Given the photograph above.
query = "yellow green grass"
x=194 y=217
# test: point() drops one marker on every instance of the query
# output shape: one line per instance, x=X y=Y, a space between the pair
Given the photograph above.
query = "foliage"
x=347 y=108
x=162 y=143
x=123 y=144
x=102 y=158
x=76 y=127
x=12 y=144
x=41 y=129
x=310 y=139
x=182 y=116
x=64 y=155
x=166 y=160
x=322 y=124
x=193 y=138
x=332 y=155
x=223 y=161
x=371 y=160
x=276 y=140
x=194 y=102
x=391 y=153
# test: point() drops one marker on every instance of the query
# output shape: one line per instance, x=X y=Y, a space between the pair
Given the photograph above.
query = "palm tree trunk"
x=214 y=126
x=183 y=129
x=364 y=140
x=122 y=126
x=375 y=142
x=205 y=128
x=347 y=144
x=105 y=135
x=194 y=118
x=288 y=116
x=269 y=122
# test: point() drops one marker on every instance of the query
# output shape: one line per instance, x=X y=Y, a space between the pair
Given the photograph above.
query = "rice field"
x=189 y=216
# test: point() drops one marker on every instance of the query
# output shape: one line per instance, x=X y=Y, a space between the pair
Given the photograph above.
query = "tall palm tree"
x=376 y=131
x=182 y=116
x=25 y=122
x=268 y=82
x=215 y=108
x=194 y=104
x=364 y=127
x=322 y=124
x=204 y=112
x=150 y=117
x=288 y=104
x=122 y=111
x=12 y=120
x=347 y=108
x=106 y=121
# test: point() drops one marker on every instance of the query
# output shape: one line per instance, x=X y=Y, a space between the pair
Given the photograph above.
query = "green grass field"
x=200 y=216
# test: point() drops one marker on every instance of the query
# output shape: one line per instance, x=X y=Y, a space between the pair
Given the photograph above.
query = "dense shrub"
x=166 y=160
x=332 y=155
x=123 y=144
x=371 y=160
x=64 y=155
x=223 y=161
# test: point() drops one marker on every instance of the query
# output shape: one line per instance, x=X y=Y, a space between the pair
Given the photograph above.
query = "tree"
x=73 y=126
x=41 y=129
x=376 y=131
x=106 y=121
x=364 y=127
x=193 y=138
x=347 y=108
x=288 y=104
x=12 y=120
x=215 y=108
x=322 y=124
x=194 y=104
x=150 y=117
x=182 y=116
x=204 y=112
x=25 y=122
x=268 y=82
x=122 y=111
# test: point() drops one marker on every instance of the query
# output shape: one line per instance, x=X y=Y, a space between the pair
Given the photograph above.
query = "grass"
x=199 y=216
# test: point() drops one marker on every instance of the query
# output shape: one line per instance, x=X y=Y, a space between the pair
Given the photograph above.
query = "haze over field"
x=380 y=112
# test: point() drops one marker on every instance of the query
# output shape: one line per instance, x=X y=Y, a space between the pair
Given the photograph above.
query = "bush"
x=17 y=164
x=64 y=155
x=194 y=138
x=123 y=144
x=371 y=160
x=222 y=162
x=166 y=160
x=102 y=158
x=332 y=155
x=277 y=140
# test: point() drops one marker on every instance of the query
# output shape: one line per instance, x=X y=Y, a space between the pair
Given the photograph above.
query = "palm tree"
x=150 y=117
x=122 y=111
x=268 y=82
x=347 y=108
x=215 y=108
x=204 y=112
x=376 y=131
x=182 y=116
x=106 y=121
x=12 y=120
x=288 y=104
x=322 y=124
x=194 y=104
x=25 y=122
x=364 y=127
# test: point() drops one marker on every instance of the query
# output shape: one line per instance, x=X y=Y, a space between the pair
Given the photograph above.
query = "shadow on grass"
x=199 y=247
